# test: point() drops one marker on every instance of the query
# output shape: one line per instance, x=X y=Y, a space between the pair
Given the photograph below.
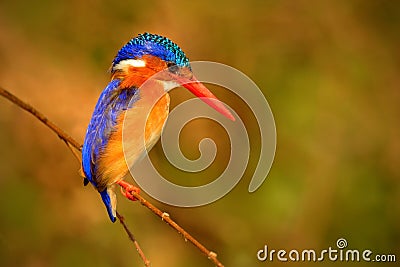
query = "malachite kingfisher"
x=104 y=160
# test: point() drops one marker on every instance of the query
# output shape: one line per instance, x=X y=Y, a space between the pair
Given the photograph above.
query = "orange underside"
x=112 y=165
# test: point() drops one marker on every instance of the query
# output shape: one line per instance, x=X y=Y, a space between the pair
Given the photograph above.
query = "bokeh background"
x=329 y=70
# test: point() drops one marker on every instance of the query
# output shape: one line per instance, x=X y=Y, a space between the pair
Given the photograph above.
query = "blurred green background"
x=329 y=70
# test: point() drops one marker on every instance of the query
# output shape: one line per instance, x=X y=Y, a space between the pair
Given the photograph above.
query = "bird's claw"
x=127 y=189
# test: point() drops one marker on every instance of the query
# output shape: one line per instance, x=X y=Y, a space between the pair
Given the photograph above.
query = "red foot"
x=127 y=188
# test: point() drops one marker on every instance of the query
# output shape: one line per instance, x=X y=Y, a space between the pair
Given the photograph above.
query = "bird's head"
x=149 y=54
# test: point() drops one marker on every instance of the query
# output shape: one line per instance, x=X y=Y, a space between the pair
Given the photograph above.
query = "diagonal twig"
x=71 y=143
x=166 y=218
x=133 y=239
x=61 y=134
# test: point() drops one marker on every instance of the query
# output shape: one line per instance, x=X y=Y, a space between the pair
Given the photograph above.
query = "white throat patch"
x=137 y=63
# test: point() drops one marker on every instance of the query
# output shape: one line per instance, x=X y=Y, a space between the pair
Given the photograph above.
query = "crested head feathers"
x=152 y=44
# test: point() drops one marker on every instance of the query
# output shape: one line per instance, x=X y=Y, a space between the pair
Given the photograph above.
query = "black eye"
x=173 y=67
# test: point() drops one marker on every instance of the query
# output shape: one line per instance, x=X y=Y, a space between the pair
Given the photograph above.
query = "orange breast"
x=156 y=120
x=134 y=134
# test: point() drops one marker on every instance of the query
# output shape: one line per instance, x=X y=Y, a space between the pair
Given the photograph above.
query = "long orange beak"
x=199 y=90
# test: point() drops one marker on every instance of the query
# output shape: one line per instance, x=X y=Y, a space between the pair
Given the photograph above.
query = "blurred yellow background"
x=329 y=70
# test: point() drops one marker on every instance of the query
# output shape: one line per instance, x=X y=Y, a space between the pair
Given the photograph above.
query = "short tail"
x=110 y=201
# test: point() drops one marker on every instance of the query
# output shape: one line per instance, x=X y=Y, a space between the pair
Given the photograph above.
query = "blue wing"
x=98 y=131
x=112 y=101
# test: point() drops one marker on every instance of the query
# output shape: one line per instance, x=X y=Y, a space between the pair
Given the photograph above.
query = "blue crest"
x=155 y=45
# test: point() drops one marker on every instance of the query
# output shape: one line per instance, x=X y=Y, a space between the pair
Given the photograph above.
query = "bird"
x=105 y=156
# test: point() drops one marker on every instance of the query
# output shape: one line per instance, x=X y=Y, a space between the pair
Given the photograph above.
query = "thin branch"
x=72 y=144
x=135 y=195
x=166 y=218
x=61 y=134
x=133 y=239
